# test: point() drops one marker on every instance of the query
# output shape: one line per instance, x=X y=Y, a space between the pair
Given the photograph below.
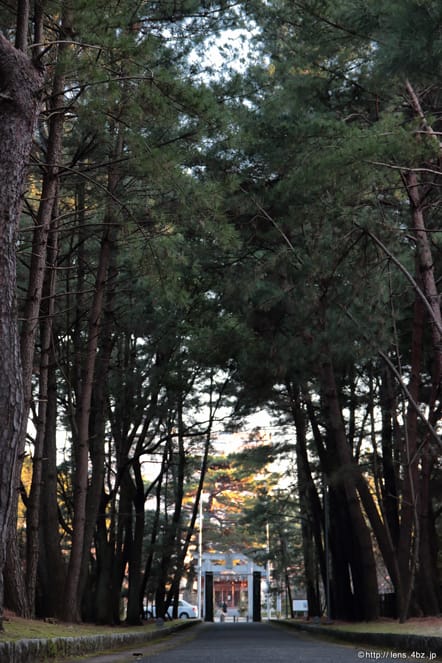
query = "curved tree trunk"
x=363 y=564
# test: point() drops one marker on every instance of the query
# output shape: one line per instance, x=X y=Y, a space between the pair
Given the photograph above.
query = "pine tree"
x=19 y=106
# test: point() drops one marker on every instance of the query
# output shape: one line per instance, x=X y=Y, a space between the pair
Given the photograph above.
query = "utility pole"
x=326 y=545
x=268 y=571
x=200 y=559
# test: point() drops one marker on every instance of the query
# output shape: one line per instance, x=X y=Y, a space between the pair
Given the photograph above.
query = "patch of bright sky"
x=230 y=52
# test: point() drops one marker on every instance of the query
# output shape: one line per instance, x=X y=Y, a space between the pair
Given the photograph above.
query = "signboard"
x=300 y=605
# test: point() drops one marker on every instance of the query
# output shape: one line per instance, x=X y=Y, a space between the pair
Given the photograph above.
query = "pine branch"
x=407 y=274
x=400 y=379
x=416 y=105
x=404 y=168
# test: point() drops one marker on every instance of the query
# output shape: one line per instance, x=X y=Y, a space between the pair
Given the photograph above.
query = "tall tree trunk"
x=407 y=550
x=415 y=509
x=173 y=530
x=426 y=270
x=105 y=556
x=98 y=422
x=340 y=544
x=19 y=108
x=427 y=575
x=52 y=565
x=123 y=540
x=147 y=585
x=81 y=451
x=390 y=498
x=363 y=563
x=46 y=342
x=135 y=561
x=31 y=310
x=175 y=585
x=311 y=511
x=48 y=202
x=83 y=410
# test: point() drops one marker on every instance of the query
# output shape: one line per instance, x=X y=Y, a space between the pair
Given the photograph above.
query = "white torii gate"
x=230 y=565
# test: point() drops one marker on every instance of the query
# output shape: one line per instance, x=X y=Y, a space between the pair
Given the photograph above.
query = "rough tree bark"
x=31 y=315
x=20 y=82
x=24 y=605
x=416 y=500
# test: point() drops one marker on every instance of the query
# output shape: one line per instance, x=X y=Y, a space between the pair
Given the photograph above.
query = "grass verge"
x=431 y=626
x=16 y=628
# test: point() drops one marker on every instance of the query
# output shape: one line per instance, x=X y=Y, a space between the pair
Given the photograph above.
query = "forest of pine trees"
x=188 y=238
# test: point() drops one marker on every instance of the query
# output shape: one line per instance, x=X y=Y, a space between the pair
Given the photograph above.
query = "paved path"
x=252 y=643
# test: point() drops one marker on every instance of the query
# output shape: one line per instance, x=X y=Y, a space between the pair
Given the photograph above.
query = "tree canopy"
x=196 y=242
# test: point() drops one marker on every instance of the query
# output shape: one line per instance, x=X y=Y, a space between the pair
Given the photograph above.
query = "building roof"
x=228 y=563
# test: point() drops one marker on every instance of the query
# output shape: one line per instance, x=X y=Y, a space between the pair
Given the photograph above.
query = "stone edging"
x=394 y=642
x=41 y=649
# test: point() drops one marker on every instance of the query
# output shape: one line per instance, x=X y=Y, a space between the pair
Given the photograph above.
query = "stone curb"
x=42 y=649
x=422 y=646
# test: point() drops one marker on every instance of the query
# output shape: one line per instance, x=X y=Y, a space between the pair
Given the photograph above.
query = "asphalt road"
x=256 y=643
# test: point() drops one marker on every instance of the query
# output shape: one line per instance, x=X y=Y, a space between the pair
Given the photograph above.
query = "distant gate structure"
x=231 y=581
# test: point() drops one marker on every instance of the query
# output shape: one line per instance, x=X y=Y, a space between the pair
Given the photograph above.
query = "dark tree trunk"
x=416 y=531
x=83 y=412
x=135 y=561
x=30 y=325
x=103 y=613
x=98 y=425
x=33 y=536
x=149 y=583
x=175 y=585
x=81 y=450
x=124 y=540
x=427 y=575
x=342 y=605
x=408 y=545
x=364 y=574
x=52 y=566
x=18 y=112
x=43 y=494
x=45 y=215
x=311 y=512
x=390 y=498
x=340 y=541
x=169 y=553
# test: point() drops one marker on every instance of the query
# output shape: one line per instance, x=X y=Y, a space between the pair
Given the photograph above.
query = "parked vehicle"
x=185 y=611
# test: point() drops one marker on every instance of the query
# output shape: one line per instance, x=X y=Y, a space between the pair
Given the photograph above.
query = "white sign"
x=300 y=605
